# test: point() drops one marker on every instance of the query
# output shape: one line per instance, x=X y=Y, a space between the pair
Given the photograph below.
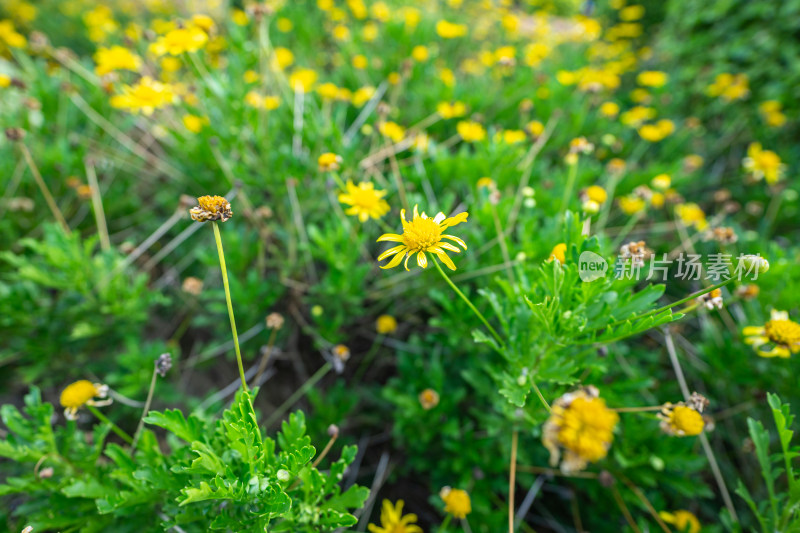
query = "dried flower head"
x=456 y=502
x=582 y=426
x=711 y=299
x=81 y=393
x=333 y=431
x=15 y=134
x=722 y=235
x=428 y=399
x=636 y=252
x=275 y=321
x=163 y=364
x=192 y=285
x=341 y=354
x=211 y=208
x=747 y=292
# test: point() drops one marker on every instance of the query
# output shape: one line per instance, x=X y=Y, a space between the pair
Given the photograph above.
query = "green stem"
x=147 y=403
x=230 y=304
x=670 y=306
x=445 y=523
x=573 y=173
x=103 y=418
x=626 y=229
x=541 y=397
x=468 y=302
x=299 y=393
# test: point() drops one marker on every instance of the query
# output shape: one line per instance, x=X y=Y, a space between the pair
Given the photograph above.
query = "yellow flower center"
x=785 y=332
x=457 y=503
x=686 y=420
x=421 y=233
x=587 y=427
x=78 y=393
x=363 y=198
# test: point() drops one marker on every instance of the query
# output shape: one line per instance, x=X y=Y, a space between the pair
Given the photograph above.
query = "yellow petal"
x=390 y=237
x=753 y=330
x=446 y=260
x=395 y=261
x=456 y=240
x=422 y=260
x=391 y=251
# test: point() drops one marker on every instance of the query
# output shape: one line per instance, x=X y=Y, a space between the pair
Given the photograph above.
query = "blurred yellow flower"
x=637 y=115
x=5 y=81
x=393 y=521
x=449 y=30
x=283 y=57
x=631 y=13
x=683 y=521
x=386 y=325
x=145 y=97
x=362 y=96
x=239 y=17
x=420 y=53
x=535 y=128
x=9 y=36
x=652 y=78
x=284 y=25
x=456 y=502
x=428 y=399
x=81 y=393
x=449 y=110
x=779 y=337
x=268 y=102
x=763 y=164
x=392 y=130
x=329 y=161
x=251 y=76
x=510 y=136
x=582 y=426
x=422 y=235
x=681 y=420
x=729 y=86
x=558 y=253
x=303 y=79
x=360 y=62
x=630 y=205
x=115 y=58
x=471 y=131
x=691 y=215
x=194 y=123
x=770 y=111
x=609 y=109
x=179 y=41
x=364 y=200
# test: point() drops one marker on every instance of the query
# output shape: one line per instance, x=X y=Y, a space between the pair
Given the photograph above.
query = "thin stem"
x=624 y=509
x=573 y=174
x=37 y=176
x=103 y=418
x=468 y=302
x=97 y=206
x=265 y=358
x=639 y=494
x=147 y=403
x=445 y=523
x=541 y=397
x=501 y=239
x=679 y=302
x=626 y=229
x=324 y=452
x=230 y=304
x=637 y=409
x=299 y=393
x=512 y=476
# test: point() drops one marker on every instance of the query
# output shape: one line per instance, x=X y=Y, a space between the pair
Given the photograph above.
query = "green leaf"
x=188 y=429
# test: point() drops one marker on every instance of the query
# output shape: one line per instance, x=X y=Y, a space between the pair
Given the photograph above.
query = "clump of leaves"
x=217 y=475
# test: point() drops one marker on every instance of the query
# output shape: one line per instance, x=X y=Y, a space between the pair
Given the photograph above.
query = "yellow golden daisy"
x=779 y=337
x=365 y=201
x=682 y=520
x=393 y=521
x=581 y=425
x=681 y=420
x=211 y=208
x=423 y=234
x=80 y=393
x=456 y=502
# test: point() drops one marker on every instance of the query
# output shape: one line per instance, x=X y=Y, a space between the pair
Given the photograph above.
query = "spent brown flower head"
x=274 y=321
x=211 y=208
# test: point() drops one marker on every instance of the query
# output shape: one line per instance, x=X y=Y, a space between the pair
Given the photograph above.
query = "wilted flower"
x=163 y=364
x=456 y=502
x=81 y=393
x=211 y=208
x=421 y=235
x=779 y=337
x=748 y=291
x=635 y=252
x=365 y=201
x=192 y=285
x=274 y=321
x=711 y=299
x=428 y=399
x=582 y=426
x=393 y=521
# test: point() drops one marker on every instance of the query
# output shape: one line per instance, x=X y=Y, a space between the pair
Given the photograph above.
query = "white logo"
x=591 y=266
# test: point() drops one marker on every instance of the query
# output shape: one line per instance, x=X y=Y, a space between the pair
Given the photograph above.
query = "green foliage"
x=217 y=475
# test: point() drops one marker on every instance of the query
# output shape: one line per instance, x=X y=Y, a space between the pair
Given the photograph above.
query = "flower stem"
x=468 y=302
x=679 y=302
x=299 y=393
x=230 y=304
x=637 y=409
x=573 y=173
x=512 y=480
x=265 y=358
x=147 y=403
x=103 y=418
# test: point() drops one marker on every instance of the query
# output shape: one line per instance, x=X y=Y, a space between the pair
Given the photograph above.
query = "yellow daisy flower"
x=682 y=520
x=365 y=201
x=681 y=420
x=456 y=502
x=81 y=393
x=581 y=425
x=423 y=234
x=386 y=324
x=779 y=337
x=765 y=164
x=393 y=521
